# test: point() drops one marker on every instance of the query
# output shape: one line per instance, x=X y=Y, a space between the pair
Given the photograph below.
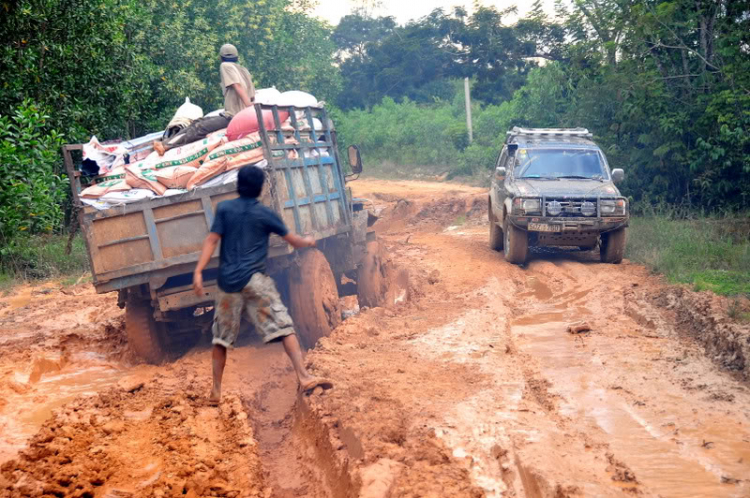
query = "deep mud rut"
x=471 y=386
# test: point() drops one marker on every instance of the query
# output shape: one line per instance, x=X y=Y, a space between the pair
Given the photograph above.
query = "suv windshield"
x=559 y=163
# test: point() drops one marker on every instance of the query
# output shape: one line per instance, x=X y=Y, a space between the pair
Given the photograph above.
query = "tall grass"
x=40 y=257
x=708 y=253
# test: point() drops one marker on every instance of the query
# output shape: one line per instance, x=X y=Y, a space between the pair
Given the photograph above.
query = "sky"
x=406 y=10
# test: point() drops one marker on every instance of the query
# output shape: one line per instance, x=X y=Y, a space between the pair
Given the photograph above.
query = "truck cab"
x=554 y=187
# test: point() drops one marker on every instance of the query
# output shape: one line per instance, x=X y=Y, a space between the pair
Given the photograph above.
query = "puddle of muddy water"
x=538 y=290
x=670 y=463
x=51 y=384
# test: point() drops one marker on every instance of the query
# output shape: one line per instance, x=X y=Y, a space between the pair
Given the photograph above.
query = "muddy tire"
x=613 y=246
x=372 y=277
x=313 y=298
x=496 y=233
x=145 y=335
x=516 y=244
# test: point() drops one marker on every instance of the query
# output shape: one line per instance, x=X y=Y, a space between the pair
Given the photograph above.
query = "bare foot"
x=307 y=386
x=159 y=148
x=215 y=398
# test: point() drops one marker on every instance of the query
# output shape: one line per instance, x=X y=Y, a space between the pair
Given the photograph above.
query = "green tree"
x=32 y=188
x=120 y=68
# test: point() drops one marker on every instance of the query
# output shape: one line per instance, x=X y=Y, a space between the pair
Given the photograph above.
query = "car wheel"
x=496 y=233
x=613 y=246
x=516 y=243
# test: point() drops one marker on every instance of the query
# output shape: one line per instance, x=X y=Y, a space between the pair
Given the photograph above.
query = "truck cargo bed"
x=152 y=240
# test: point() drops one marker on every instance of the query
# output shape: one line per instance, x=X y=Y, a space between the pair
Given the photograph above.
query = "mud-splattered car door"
x=498 y=191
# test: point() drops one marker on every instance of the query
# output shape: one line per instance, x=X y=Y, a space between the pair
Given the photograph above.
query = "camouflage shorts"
x=262 y=306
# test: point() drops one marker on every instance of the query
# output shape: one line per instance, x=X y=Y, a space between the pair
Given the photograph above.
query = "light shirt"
x=231 y=74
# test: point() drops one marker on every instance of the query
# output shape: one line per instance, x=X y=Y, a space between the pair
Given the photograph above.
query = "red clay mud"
x=466 y=384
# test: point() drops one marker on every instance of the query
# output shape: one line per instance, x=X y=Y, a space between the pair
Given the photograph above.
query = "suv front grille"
x=570 y=207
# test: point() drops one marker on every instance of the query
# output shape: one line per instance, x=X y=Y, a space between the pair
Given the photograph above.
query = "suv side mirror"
x=500 y=172
x=355 y=159
x=618 y=175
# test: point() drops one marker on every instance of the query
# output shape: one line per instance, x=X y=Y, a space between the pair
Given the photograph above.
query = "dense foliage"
x=120 y=68
x=663 y=84
x=32 y=190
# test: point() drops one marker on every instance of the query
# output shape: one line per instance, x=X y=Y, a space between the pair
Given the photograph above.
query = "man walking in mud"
x=243 y=226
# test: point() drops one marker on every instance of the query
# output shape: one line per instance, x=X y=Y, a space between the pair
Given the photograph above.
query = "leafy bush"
x=42 y=256
x=120 y=69
x=32 y=189
x=416 y=135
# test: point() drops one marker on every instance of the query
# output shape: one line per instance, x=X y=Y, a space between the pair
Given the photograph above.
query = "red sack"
x=246 y=122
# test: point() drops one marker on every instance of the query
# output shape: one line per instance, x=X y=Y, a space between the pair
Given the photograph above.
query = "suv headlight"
x=527 y=206
x=614 y=207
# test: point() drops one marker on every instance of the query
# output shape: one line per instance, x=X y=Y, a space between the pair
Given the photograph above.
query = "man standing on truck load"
x=243 y=226
x=239 y=93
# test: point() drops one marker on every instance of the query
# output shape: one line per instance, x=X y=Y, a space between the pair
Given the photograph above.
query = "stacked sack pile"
x=205 y=163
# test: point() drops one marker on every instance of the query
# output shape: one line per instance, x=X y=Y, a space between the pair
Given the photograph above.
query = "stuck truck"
x=146 y=251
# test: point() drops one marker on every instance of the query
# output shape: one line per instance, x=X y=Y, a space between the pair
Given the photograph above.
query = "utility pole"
x=467 y=92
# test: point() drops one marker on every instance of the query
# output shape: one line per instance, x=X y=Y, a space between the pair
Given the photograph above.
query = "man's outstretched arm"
x=209 y=246
x=298 y=242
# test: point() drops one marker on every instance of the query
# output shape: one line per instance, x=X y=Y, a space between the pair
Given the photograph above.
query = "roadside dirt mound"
x=449 y=209
x=703 y=317
x=437 y=211
x=478 y=209
x=154 y=438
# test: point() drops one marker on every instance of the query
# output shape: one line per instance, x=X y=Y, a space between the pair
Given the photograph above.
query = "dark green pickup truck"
x=554 y=187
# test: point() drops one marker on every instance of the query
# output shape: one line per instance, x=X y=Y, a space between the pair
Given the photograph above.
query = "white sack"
x=132 y=195
x=107 y=157
x=267 y=96
x=297 y=99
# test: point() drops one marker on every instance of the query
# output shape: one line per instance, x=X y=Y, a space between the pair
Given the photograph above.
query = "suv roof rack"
x=550 y=132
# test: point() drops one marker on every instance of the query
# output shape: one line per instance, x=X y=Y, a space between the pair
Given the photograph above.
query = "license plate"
x=544 y=227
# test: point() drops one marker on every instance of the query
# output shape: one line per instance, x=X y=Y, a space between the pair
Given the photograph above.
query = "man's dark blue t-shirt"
x=244 y=225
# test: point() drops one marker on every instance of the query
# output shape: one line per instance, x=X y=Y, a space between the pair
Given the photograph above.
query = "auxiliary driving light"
x=554 y=208
x=588 y=209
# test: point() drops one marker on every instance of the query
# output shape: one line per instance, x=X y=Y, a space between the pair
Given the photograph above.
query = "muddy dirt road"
x=468 y=385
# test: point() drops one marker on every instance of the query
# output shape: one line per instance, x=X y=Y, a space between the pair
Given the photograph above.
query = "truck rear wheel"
x=496 y=233
x=516 y=243
x=372 y=278
x=145 y=335
x=314 y=298
x=613 y=246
